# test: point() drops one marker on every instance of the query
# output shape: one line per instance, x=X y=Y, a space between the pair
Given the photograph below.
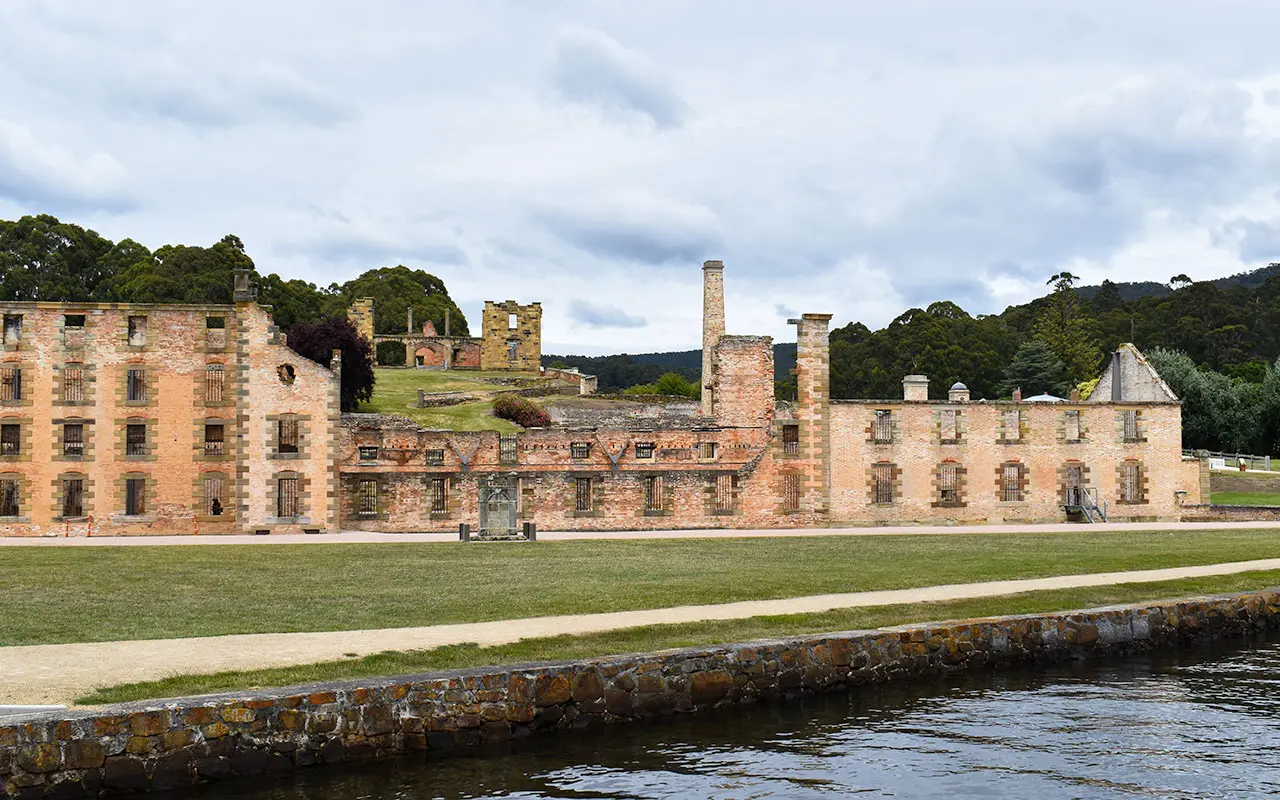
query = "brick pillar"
x=361 y=315
x=712 y=329
x=409 y=323
x=813 y=407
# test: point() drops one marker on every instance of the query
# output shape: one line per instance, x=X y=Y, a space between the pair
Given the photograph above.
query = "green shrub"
x=671 y=384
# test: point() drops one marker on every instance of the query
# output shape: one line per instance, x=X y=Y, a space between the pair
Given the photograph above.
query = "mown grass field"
x=396 y=392
x=1245 y=498
x=53 y=595
x=660 y=637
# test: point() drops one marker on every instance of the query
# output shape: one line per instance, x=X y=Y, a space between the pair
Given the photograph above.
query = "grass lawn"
x=81 y=594
x=1245 y=499
x=396 y=392
x=659 y=637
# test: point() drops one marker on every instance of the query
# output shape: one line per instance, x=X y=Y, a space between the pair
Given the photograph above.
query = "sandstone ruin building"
x=512 y=338
x=120 y=419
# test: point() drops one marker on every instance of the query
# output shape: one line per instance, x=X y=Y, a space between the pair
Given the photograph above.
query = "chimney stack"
x=712 y=329
x=409 y=328
x=915 y=388
x=1017 y=395
x=959 y=393
x=1075 y=396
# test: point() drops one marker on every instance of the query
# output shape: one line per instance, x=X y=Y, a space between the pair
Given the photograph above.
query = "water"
x=1202 y=724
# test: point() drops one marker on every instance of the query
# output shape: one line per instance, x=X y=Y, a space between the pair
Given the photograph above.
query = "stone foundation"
x=175 y=743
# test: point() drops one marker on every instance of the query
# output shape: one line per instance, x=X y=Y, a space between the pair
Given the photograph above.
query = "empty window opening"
x=73 y=383
x=1071 y=426
x=513 y=322
x=73 y=440
x=213 y=496
x=1011 y=482
x=435 y=458
x=215 y=381
x=287 y=435
x=507 y=449
x=790 y=440
x=724 y=492
x=286 y=374
x=137 y=331
x=1130 y=482
x=653 y=493
x=368 y=497
x=12 y=328
x=707 y=450
x=949 y=484
x=369 y=452
x=1129 y=419
x=135 y=496
x=136 y=386
x=73 y=497
x=947 y=429
x=1012 y=425
x=9 y=497
x=1073 y=485
x=882 y=478
x=439 y=496
x=286 y=497
x=883 y=431
x=135 y=439
x=581 y=494
x=644 y=449
x=215 y=323
x=790 y=492
x=10 y=383
x=10 y=440
x=513 y=350
x=580 y=449
x=214 y=439
x=73 y=320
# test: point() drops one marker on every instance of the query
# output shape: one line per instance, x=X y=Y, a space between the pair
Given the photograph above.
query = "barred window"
x=73 y=497
x=790 y=440
x=368 y=496
x=213 y=499
x=439 y=495
x=653 y=493
x=1012 y=425
x=73 y=440
x=137 y=331
x=507 y=449
x=10 y=440
x=644 y=449
x=1129 y=419
x=215 y=381
x=513 y=350
x=135 y=496
x=1071 y=426
x=370 y=453
x=287 y=435
x=949 y=484
x=882 y=480
x=1011 y=482
x=579 y=449
x=73 y=383
x=947 y=429
x=724 y=492
x=135 y=439
x=435 y=458
x=214 y=439
x=582 y=494
x=791 y=492
x=1130 y=482
x=10 y=383
x=136 y=386
x=9 y=497
x=706 y=450
x=286 y=497
x=883 y=431
x=12 y=328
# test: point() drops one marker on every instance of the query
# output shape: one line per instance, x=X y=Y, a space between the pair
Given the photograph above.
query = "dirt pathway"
x=40 y=674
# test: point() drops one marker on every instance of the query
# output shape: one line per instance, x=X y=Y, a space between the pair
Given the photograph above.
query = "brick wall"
x=498 y=333
x=743 y=399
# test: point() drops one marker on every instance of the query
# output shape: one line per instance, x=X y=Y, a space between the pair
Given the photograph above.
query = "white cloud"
x=38 y=174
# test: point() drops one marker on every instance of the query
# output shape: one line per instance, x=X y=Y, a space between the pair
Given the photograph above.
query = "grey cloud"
x=635 y=229
x=348 y=248
x=242 y=97
x=48 y=178
x=1259 y=241
x=968 y=294
x=785 y=311
x=602 y=316
x=591 y=68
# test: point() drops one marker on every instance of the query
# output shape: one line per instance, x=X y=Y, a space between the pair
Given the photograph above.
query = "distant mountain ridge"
x=1134 y=290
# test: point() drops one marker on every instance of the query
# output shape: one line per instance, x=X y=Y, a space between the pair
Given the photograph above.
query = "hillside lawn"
x=395 y=391
x=1245 y=498
x=74 y=594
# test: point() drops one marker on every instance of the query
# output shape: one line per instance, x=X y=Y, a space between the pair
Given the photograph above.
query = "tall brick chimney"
x=712 y=329
x=813 y=407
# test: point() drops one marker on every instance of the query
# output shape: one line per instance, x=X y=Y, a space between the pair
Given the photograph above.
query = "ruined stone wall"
x=743 y=381
x=712 y=329
x=1139 y=382
x=985 y=442
x=174 y=744
x=498 y=334
x=361 y=315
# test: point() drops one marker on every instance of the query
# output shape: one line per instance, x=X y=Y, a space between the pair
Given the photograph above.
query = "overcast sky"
x=848 y=157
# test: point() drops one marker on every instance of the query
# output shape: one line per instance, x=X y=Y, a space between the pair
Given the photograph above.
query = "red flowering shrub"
x=520 y=410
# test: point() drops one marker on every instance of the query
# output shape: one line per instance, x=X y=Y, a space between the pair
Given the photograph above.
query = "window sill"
x=441 y=514
x=883 y=505
x=1139 y=440
x=585 y=514
x=653 y=512
x=724 y=512
x=4 y=520
x=133 y=517
x=285 y=456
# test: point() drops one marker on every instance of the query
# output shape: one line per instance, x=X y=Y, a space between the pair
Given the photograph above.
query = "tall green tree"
x=396 y=289
x=43 y=258
x=1067 y=330
x=1035 y=369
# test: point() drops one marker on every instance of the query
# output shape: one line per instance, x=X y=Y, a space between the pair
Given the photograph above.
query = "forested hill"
x=1140 y=289
x=43 y=258
x=618 y=372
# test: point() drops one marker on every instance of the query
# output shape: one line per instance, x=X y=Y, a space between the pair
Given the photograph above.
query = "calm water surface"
x=1203 y=724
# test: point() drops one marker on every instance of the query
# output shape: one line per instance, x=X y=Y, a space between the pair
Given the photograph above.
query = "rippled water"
x=1204 y=724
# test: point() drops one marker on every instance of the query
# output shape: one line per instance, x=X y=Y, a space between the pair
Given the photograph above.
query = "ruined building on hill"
x=136 y=419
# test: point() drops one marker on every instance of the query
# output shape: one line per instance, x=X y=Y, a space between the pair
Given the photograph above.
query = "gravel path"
x=367 y=537
x=40 y=674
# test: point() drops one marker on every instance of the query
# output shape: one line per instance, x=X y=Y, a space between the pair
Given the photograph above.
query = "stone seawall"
x=1213 y=513
x=175 y=743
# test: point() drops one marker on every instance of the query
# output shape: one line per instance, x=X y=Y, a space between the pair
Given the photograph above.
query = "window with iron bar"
x=653 y=493
x=370 y=453
x=73 y=383
x=706 y=450
x=1130 y=482
x=73 y=439
x=724 y=492
x=507 y=449
x=439 y=495
x=213 y=496
x=9 y=497
x=136 y=386
x=644 y=449
x=135 y=439
x=1011 y=482
x=791 y=492
x=579 y=449
x=10 y=383
x=883 y=432
x=791 y=440
x=215 y=381
x=214 y=439
x=287 y=435
x=368 y=496
x=582 y=494
x=435 y=458
x=882 y=476
x=949 y=484
x=1129 y=419
x=287 y=497
x=10 y=440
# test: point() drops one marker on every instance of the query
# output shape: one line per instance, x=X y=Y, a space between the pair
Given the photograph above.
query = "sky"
x=843 y=157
